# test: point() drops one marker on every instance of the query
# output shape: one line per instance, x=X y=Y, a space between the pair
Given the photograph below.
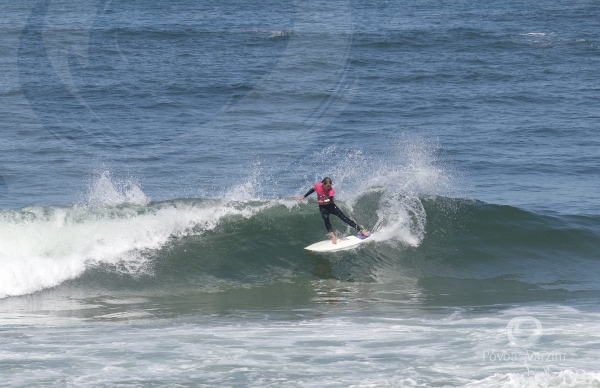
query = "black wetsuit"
x=330 y=208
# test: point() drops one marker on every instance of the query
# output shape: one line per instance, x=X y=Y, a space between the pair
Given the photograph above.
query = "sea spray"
x=406 y=169
x=107 y=191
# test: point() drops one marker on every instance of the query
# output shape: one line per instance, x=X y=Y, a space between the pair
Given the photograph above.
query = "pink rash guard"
x=323 y=197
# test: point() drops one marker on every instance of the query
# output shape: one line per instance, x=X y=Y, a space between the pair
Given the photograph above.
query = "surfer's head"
x=326 y=183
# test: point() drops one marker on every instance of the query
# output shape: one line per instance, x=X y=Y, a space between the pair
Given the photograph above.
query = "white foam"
x=43 y=247
x=340 y=348
x=564 y=379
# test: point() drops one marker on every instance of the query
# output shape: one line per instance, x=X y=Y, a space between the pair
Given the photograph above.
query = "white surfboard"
x=343 y=243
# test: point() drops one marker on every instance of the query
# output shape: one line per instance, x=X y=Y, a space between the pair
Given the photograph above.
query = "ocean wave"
x=223 y=243
x=571 y=378
x=41 y=247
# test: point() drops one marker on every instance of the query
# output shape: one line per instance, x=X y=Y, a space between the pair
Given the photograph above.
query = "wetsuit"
x=327 y=206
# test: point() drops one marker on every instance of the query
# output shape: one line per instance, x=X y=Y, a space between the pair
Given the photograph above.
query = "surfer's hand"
x=300 y=198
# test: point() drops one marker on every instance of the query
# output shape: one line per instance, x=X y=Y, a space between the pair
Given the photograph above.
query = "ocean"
x=152 y=151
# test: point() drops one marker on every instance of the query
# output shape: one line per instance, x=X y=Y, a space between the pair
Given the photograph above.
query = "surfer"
x=325 y=199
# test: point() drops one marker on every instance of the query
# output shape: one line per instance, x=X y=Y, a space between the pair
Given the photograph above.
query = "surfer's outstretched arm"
x=309 y=192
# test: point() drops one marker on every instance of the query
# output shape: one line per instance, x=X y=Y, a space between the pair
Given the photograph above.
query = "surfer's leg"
x=335 y=210
x=347 y=220
x=333 y=238
x=325 y=215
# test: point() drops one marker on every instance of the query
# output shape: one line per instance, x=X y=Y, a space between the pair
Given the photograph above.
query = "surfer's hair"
x=326 y=181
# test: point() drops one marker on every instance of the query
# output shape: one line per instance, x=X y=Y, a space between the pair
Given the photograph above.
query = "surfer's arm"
x=309 y=192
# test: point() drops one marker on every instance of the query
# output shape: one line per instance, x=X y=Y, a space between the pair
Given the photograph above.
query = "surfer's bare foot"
x=333 y=238
x=365 y=233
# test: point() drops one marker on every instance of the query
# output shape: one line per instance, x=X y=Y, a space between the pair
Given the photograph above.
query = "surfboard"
x=343 y=243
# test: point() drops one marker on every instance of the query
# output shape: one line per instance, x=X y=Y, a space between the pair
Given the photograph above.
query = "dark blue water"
x=151 y=152
x=186 y=96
